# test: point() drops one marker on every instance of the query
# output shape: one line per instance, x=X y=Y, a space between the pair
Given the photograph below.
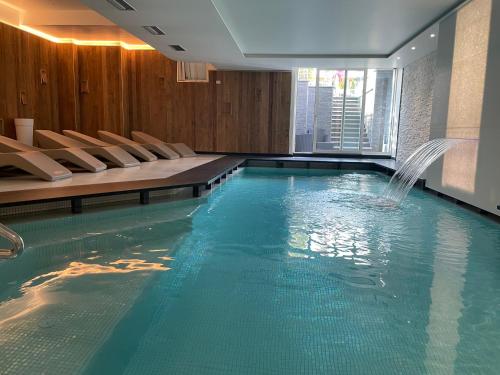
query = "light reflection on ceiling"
x=67 y=21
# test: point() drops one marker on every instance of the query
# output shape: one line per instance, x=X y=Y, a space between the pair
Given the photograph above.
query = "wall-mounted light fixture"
x=163 y=82
x=43 y=77
x=23 y=98
x=84 y=86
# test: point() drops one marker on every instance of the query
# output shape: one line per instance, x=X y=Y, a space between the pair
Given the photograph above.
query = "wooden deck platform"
x=164 y=174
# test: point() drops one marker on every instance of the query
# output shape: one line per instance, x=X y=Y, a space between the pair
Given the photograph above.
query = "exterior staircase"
x=344 y=134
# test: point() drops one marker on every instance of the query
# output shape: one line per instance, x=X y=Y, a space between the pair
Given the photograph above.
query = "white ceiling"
x=262 y=34
x=283 y=34
x=326 y=27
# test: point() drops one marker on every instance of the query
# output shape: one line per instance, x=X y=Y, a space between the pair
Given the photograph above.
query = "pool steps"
x=15 y=240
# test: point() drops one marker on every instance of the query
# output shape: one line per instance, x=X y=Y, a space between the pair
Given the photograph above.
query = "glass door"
x=352 y=125
x=345 y=111
x=330 y=92
x=379 y=100
x=338 y=110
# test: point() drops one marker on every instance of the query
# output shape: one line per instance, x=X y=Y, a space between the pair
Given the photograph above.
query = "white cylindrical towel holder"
x=24 y=130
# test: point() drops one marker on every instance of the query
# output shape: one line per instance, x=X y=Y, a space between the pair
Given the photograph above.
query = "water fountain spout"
x=407 y=175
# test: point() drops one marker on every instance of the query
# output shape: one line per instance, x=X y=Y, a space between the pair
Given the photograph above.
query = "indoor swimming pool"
x=276 y=271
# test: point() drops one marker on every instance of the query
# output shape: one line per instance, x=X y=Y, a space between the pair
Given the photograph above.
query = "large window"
x=344 y=111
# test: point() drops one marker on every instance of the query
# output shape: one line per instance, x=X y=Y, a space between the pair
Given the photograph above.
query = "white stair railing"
x=16 y=241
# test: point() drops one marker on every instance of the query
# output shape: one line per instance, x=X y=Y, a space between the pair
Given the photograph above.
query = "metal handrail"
x=16 y=241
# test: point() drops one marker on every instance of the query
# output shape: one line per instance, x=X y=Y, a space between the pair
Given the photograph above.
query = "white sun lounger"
x=36 y=164
x=114 y=154
x=183 y=150
x=75 y=156
x=134 y=149
x=159 y=149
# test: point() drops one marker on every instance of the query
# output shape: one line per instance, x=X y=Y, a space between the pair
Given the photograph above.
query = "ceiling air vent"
x=155 y=30
x=121 y=4
x=177 y=47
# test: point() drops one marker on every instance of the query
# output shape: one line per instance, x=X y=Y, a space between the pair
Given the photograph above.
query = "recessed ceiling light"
x=413 y=48
x=399 y=58
x=433 y=35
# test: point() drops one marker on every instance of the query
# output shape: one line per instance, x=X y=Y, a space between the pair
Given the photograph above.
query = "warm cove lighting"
x=104 y=43
x=11 y=6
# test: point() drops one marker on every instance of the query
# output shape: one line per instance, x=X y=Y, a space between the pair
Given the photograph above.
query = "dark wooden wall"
x=90 y=88
x=22 y=94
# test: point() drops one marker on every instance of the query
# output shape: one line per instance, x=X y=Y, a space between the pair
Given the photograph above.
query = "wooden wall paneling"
x=222 y=109
x=142 y=82
x=164 y=108
x=27 y=48
x=132 y=96
x=181 y=128
x=150 y=99
x=67 y=86
x=128 y=90
x=212 y=103
x=180 y=108
x=265 y=120
x=8 y=72
x=46 y=94
x=143 y=96
x=281 y=83
x=113 y=90
x=99 y=69
x=248 y=109
x=228 y=111
x=90 y=89
x=259 y=129
x=153 y=113
x=137 y=82
x=171 y=101
x=233 y=125
x=23 y=57
x=252 y=112
x=245 y=110
x=204 y=101
x=165 y=105
x=4 y=71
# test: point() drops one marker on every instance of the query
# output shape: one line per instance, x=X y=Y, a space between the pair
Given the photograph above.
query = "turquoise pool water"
x=278 y=271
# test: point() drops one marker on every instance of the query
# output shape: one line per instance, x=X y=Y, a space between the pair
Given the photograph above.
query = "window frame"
x=394 y=114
